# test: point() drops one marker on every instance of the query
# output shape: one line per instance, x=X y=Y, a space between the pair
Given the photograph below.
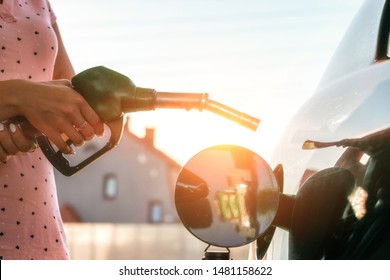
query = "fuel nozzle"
x=112 y=94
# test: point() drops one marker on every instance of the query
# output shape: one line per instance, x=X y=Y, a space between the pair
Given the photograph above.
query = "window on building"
x=110 y=186
x=155 y=211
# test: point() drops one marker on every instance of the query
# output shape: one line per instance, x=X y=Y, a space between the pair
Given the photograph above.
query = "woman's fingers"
x=94 y=124
x=59 y=136
x=3 y=154
x=85 y=129
x=85 y=119
x=6 y=141
x=22 y=143
x=13 y=141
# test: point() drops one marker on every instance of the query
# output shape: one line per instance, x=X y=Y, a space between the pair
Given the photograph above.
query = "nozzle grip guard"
x=62 y=164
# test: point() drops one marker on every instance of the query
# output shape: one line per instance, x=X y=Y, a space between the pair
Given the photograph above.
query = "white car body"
x=352 y=100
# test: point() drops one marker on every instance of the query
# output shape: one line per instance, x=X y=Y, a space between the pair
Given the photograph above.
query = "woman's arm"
x=52 y=107
x=63 y=68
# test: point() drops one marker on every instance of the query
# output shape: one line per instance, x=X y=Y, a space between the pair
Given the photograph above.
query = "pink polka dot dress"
x=30 y=222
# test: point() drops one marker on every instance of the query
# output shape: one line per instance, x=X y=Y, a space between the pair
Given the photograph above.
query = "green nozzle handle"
x=111 y=94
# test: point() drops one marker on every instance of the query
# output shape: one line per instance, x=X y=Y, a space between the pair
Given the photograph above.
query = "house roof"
x=151 y=148
x=69 y=214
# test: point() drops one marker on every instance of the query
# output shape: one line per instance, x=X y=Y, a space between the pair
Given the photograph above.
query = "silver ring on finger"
x=81 y=125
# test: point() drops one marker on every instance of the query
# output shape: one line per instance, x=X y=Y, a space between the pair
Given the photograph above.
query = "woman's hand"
x=13 y=141
x=55 y=109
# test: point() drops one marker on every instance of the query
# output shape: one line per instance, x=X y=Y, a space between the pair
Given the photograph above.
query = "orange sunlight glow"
x=263 y=58
x=183 y=134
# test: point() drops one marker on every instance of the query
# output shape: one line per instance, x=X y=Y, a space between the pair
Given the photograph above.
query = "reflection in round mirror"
x=226 y=196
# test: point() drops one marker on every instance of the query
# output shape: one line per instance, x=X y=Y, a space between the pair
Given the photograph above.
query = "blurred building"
x=132 y=183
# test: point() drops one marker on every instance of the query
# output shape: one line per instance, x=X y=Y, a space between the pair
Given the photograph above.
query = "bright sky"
x=262 y=57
